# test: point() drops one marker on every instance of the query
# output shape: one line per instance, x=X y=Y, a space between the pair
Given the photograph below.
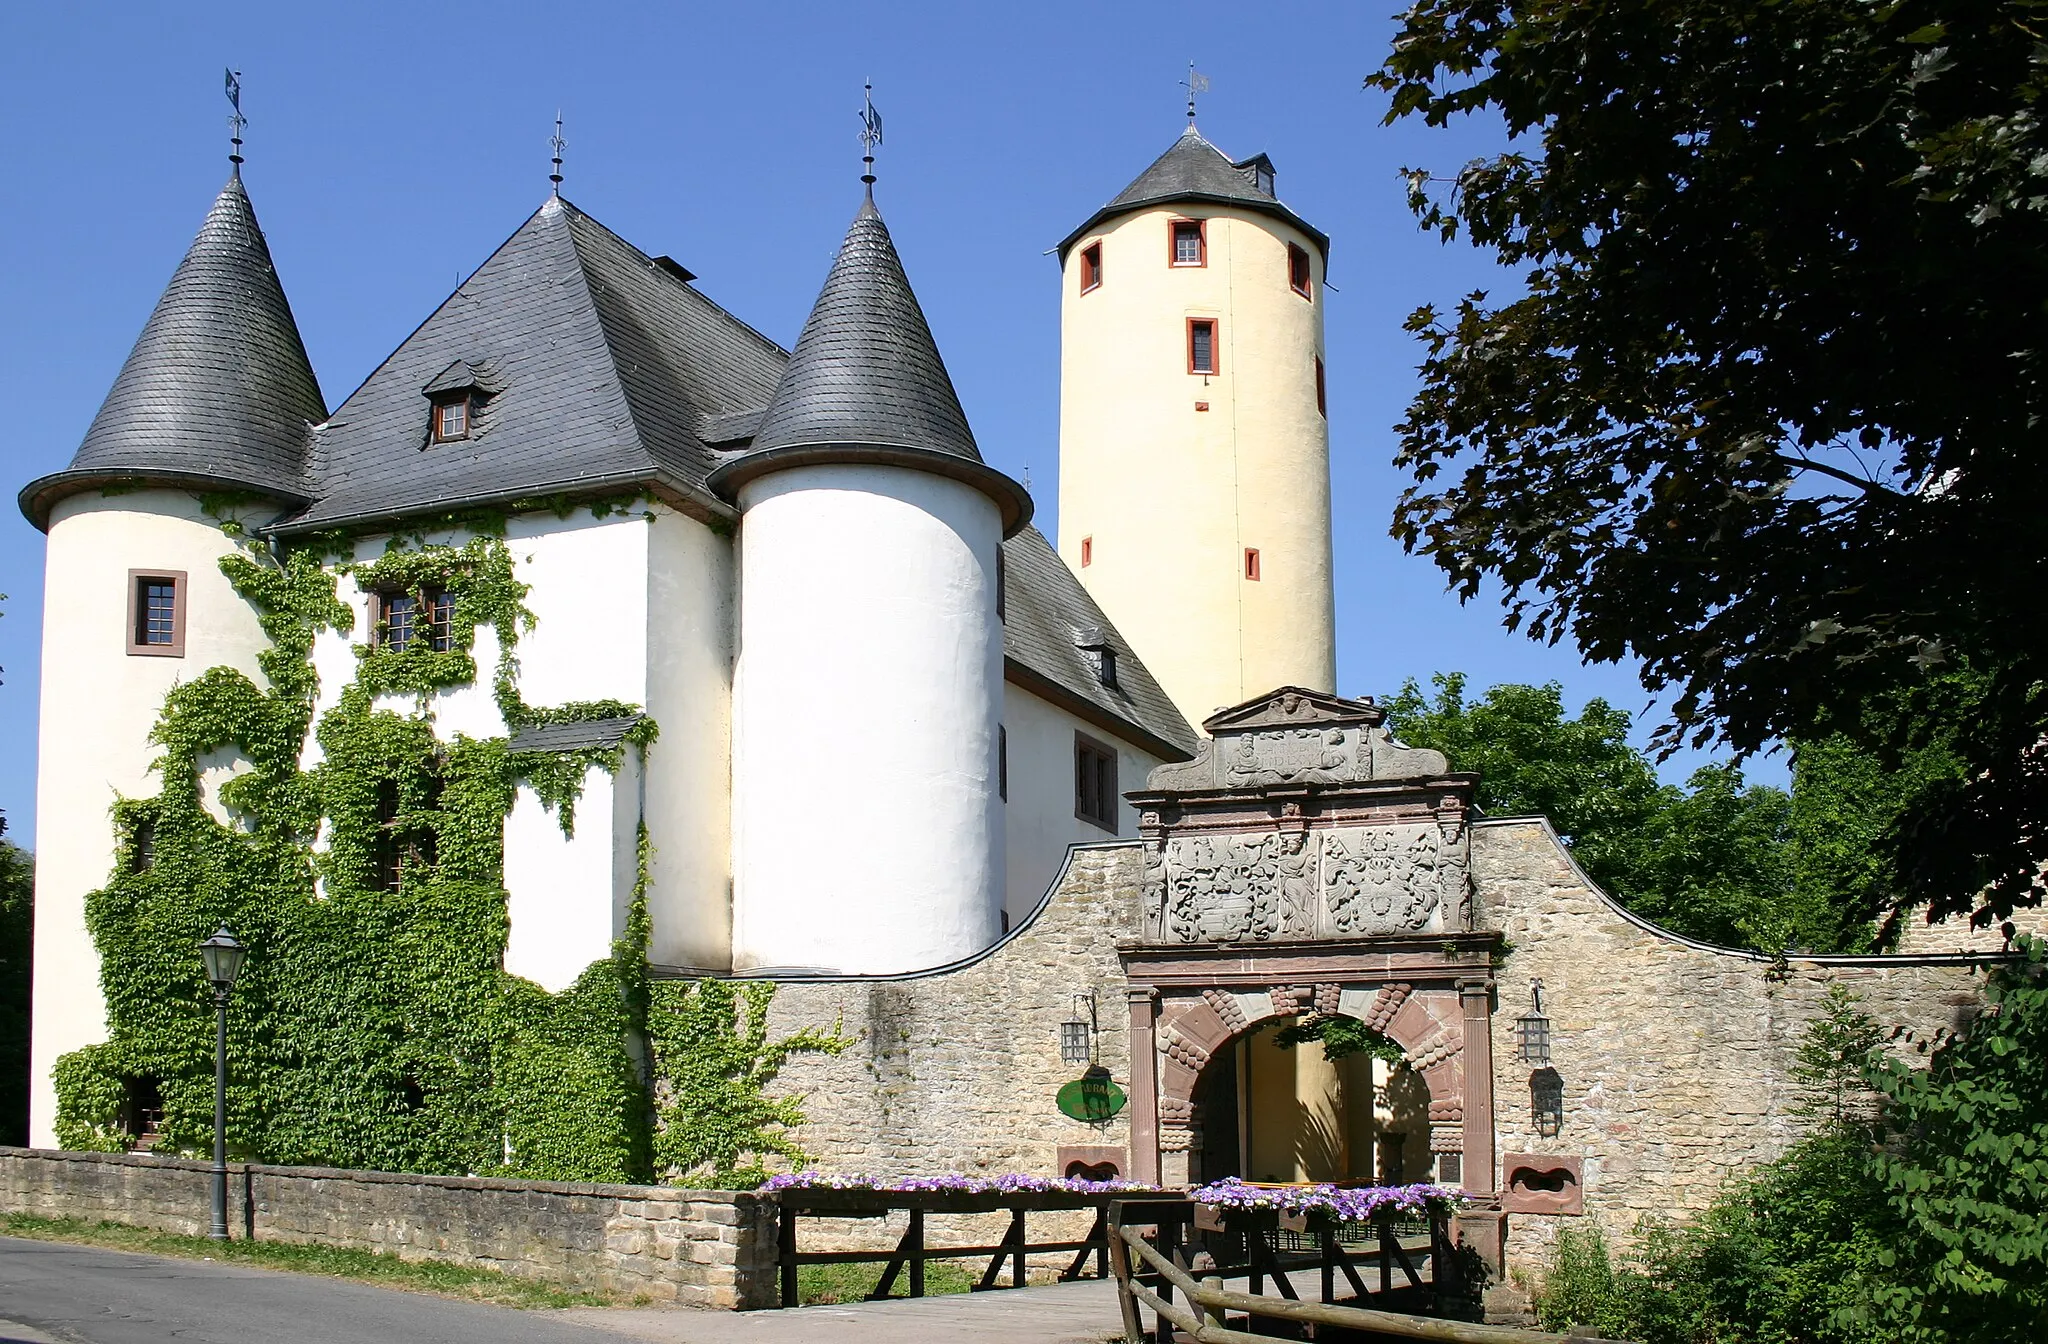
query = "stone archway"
x=1193 y=1002
x=1267 y=1111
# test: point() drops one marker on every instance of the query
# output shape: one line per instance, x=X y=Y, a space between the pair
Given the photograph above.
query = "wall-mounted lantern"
x=1546 y=1101
x=1532 y=1029
x=1077 y=1033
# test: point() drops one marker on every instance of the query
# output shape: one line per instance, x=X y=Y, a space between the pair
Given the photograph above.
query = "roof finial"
x=558 y=144
x=236 y=121
x=1195 y=83
x=870 y=136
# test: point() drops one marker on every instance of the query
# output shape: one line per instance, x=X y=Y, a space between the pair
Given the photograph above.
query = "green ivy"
x=1340 y=1036
x=377 y=1028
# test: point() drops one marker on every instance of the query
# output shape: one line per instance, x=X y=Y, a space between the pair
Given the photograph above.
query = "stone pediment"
x=1292 y=707
x=1297 y=736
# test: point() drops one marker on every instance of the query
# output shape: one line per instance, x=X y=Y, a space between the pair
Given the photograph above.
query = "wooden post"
x=1017 y=1240
x=785 y=1254
x=1169 y=1247
x=1213 y=1315
x=915 y=1237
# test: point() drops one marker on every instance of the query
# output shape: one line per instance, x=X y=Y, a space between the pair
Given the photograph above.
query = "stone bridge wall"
x=699 y=1248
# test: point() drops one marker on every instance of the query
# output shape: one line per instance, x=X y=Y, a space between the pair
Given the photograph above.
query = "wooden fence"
x=1149 y=1271
x=911 y=1250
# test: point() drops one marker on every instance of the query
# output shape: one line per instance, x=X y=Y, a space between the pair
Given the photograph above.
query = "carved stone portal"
x=1301 y=819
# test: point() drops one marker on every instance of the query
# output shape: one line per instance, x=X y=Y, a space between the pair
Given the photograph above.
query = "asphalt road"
x=50 y=1291
x=54 y=1293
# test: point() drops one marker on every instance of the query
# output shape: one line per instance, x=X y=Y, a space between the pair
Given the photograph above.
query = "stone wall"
x=957 y=1070
x=691 y=1247
x=1674 y=1055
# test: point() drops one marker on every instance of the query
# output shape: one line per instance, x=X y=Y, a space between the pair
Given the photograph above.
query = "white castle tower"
x=869 y=683
x=217 y=396
x=1194 y=448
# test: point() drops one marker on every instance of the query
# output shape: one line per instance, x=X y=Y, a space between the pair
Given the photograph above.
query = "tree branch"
x=1868 y=487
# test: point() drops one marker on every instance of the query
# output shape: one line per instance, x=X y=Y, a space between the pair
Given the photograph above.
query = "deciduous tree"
x=1766 y=415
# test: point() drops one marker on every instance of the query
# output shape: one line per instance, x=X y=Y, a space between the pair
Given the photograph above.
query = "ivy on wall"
x=374 y=1027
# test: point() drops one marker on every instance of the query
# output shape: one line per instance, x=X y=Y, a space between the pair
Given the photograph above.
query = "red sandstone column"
x=1477 y=1066
x=1484 y=1227
x=1144 y=1001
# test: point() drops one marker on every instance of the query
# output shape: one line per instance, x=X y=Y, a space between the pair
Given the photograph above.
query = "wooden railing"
x=1148 y=1275
x=911 y=1251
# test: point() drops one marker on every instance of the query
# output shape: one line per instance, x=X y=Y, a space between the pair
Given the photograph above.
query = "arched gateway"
x=1306 y=864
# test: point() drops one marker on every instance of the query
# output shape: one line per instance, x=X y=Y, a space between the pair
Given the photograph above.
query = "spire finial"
x=1195 y=83
x=870 y=136
x=236 y=121
x=558 y=144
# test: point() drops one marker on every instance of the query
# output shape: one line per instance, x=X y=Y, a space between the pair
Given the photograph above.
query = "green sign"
x=1092 y=1096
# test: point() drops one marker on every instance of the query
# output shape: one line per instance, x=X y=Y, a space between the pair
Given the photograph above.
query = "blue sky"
x=391 y=148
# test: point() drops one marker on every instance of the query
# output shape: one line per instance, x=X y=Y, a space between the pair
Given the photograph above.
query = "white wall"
x=98 y=706
x=568 y=896
x=1039 y=820
x=867 y=832
x=690 y=618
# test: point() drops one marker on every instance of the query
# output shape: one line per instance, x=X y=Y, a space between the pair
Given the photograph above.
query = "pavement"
x=55 y=1293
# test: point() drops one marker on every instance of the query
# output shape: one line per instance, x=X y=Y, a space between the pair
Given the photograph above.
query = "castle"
x=596 y=637
x=818 y=579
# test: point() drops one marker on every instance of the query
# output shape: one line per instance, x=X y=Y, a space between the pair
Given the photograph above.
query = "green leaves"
x=1818 y=226
x=373 y=1026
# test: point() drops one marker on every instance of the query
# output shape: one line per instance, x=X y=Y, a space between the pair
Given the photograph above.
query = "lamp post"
x=223 y=958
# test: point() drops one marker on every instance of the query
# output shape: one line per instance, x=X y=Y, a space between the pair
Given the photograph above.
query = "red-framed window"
x=1298 y=277
x=1091 y=267
x=1203 y=356
x=1187 y=242
x=1322 y=394
x=1087 y=551
x=1251 y=563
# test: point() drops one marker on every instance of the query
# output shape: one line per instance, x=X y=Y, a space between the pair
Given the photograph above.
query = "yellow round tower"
x=1194 y=444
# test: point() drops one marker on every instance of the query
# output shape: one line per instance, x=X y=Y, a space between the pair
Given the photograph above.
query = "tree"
x=1765 y=415
x=17 y=904
x=1967 y=1176
x=1710 y=861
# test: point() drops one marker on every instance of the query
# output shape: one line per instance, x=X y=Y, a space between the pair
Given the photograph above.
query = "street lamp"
x=223 y=958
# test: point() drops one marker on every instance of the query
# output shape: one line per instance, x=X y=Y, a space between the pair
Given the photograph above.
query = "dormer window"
x=451 y=419
x=452 y=400
x=1095 y=647
x=1190 y=243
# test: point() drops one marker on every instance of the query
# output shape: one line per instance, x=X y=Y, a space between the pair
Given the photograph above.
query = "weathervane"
x=870 y=136
x=558 y=144
x=1195 y=83
x=236 y=121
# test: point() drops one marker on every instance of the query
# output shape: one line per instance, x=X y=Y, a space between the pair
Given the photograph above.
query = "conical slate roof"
x=1192 y=169
x=217 y=390
x=866 y=382
x=866 y=369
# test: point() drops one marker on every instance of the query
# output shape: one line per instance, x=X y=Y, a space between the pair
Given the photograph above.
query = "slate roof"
x=1044 y=608
x=867 y=383
x=866 y=369
x=1195 y=170
x=578 y=736
x=600 y=368
x=218 y=390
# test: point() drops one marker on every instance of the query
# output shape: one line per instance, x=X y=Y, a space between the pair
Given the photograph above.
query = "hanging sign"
x=1092 y=1096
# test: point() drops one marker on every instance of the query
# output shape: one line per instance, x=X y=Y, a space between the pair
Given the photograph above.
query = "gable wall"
x=1039 y=820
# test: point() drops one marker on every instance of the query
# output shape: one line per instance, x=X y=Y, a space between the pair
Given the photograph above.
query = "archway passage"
x=1287 y=1101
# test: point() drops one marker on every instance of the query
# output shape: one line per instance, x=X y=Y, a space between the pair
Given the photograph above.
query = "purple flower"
x=1005 y=1184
